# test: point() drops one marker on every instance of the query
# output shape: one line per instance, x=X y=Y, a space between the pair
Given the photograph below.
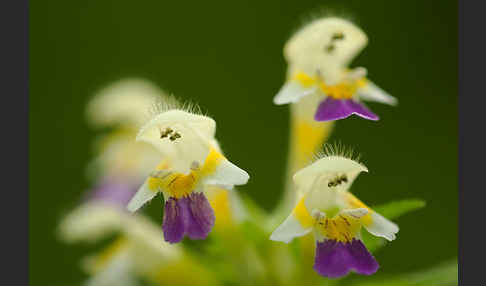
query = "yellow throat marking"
x=343 y=90
x=341 y=228
x=302 y=214
x=179 y=184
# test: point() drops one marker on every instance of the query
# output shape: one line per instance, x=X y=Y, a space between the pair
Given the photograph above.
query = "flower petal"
x=327 y=169
x=175 y=219
x=195 y=132
x=335 y=259
x=227 y=174
x=291 y=92
x=364 y=262
x=356 y=213
x=90 y=222
x=117 y=192
x=125 y=101
x=201 y=216
x=382 y=227
x=118 y=271
x=314 y=46
x=143 y=195
x=332 y=259
x=289 y=229
x=335 y=109
x=372 y=92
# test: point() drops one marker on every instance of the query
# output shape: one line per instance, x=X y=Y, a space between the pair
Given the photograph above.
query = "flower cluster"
x=172 y=150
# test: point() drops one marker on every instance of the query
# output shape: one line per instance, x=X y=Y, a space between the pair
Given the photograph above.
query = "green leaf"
x=444 y=274
x=396 y=209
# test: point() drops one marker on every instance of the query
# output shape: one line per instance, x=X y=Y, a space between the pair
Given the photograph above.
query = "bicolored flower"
x=318 y=56
x=335 y=217
x=192 y=162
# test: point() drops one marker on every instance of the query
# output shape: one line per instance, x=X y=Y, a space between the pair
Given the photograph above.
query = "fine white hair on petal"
x=372 y=92
x=227 y=174
x=339 y=150
x=356 y=213
x=382 y=227
x=326 y=45
x=289 y=229
x=291 y=92
x=90 y=222
x=125 y=101
x=194 y=131
x=171 y=103
x=142 y=196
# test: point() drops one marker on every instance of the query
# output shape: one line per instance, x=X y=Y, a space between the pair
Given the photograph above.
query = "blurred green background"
x=227 y=56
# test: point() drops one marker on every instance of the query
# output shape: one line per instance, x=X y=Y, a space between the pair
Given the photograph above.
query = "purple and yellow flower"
x=335 y=217
x=318 y=56
x=192 y=164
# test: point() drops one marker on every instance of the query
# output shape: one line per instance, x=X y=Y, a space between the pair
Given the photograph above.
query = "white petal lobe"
x=143 y=195
x=356 y=213
x=372 y=92
x=228 y=174
x=382 y=227
x=291 y=92
x=289 y=229
x=90 y=222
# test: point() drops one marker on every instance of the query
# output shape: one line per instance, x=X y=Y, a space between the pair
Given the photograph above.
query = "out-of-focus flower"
x=121 y=164
x=335 y=216
x=118 y=169
x=138 y=252
x=318 y=56
x=191 y=163
x=126 y=103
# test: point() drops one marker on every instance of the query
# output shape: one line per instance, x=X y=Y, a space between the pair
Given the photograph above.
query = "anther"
x=174 y=136
x=165 y=133
x=337 y=36
x=330 y=48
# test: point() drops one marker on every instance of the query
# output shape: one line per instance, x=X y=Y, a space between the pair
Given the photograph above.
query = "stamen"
x=165 y=133
x=337 y=181
x=337 y=36
x=330 y=48
x=174 y=136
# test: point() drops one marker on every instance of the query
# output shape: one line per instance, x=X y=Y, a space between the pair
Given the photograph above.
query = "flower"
x=125 y=102
x=335 y=217
x=318 y=56
x=138 y=251
x=192 y=162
